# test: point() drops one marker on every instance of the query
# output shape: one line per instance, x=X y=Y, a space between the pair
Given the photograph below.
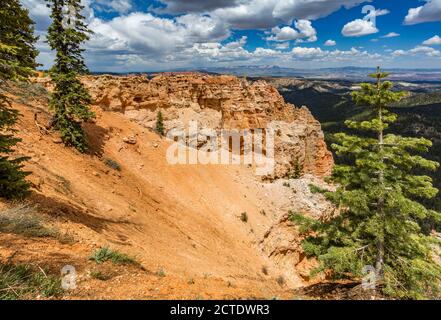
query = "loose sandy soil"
x=184 y=220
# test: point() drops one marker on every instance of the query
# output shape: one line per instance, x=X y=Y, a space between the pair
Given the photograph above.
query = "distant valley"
x=344 y=74
x=354 y=74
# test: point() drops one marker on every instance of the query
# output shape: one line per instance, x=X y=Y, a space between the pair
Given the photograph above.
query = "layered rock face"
x=219 y=102
x=225 y=102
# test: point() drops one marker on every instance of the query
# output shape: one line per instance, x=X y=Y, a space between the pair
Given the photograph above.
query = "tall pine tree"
x=379 y=204
x=70 y=100
x=17 y=63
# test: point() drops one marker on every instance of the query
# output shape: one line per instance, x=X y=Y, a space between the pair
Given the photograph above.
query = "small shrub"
x=105 y=254
x=280 y=280
x=103 y=276
x=160 y=272
x=27 y=92
x=297 y=170
x=101 y=255
x=64 y=186
x=304 y=223
x=315 y=189
x=244 y=217
x=66 y=238
x=112 y=164
x=265 y=270
x=25 y=282
x=22 y=220
x=160 y=123
x=263 y=212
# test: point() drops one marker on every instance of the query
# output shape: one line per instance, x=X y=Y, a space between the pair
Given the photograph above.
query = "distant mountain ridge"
x=343 y=73
x=349 y=73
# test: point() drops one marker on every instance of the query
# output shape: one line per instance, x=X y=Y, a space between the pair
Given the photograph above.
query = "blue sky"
x=151 y=35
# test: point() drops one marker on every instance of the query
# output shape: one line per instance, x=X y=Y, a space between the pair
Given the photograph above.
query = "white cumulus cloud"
x=307 y=53
x=310 y=9
x=330 y=43
x=429 y=12
x=39 y=12
x=180 y=6
x=201 y=33
x=317 y=54
x=391 y=35
x=428 y=51
x=304 y=32
x=377 y=13
x=119 y=6
x=418 y=51
x=255 y=14
x=282 y=45
x=359 y=28
x=435 y=40
x=146 y=34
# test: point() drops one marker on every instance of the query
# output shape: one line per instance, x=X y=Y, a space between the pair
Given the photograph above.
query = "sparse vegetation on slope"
x=160 y=272
x=24 y=220
x=105 y=254
x=100 y=275
x=23 y=281
x=112 y=164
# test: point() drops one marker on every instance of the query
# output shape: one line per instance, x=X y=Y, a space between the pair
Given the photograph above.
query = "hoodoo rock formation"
x=219 y=102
